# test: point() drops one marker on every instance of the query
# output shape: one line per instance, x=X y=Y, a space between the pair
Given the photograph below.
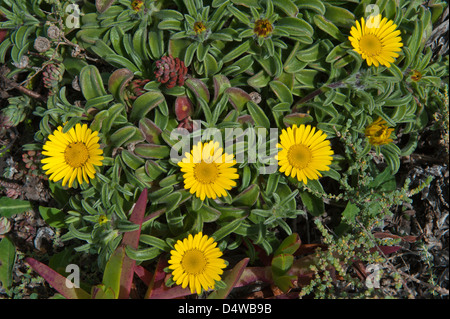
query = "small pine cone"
x=170 y=71
x=53 y=32
x=41 y=44
x=52 y=75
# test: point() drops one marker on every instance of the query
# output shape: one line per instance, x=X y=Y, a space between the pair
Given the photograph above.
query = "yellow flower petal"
x=72 y=156
x=377 y=42
x=305 y=153
x=196 y=263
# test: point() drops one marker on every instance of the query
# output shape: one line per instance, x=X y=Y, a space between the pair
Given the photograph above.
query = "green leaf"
x=169 y=14
x=258 y=115
x=413 y=42
x=272 y=183
x=241 y=49
x=340 y=16
x=191 y=7
x=227 y=229
x=100 y=102
x=7 y=261
x=113 y=271
x=246 y=3
x=144 y=103
x=91 y=82
x=297 y=119
x=121 y=62
x=313 y=204
x=208 y=213
x=311 y=54
x=114 y=114
x=281 y=91
x=259 y=80
x=350 y=212
x=327 y=26
x=289 y=245
x=122 y=135
x=156 y=43
x=295 y=27
x=102 y=292
x=4 y=46
x=152 y=151
x=198 y=88
x=211 y=65
x=154 y=242
x=282 y=263
x=395 y=71
x=53 y=216
x=150 y=131
x=391 y=154
x=102 y=49
x=172 y=201
x=284 y=282
x=237 y=97
x=9 y=206
x=169 y=181
x=238 y=14
x=294 y=65
x=117 y=82
x=313 y=5
x=248 y=197
x=221 y=83
x=143 y=254
x=189 y=53
x=74 y=65
x=287 y=6
x=202 y=50
x=133 y=161
x=170 y=24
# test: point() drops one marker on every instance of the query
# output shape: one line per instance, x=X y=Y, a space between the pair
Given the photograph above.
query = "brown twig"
x=22 y=89
x=317 y=92
x=440 y=290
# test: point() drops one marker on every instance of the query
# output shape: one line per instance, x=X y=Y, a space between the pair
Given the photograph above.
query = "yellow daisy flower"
x=378 y=132
x=72 y=155
x=304 y=152
x=209 y=172
x=196 y=262
x=376 y=40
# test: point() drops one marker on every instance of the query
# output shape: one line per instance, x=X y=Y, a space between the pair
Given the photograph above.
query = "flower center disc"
x=76 y=154
x=416 y=75
x=194 y=261
x=299 y=156
x=370 y=45
x=206 y=173
x=199 y=27
x=263 y=28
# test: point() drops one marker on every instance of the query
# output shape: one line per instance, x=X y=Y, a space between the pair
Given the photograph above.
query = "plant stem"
x=315 y=93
